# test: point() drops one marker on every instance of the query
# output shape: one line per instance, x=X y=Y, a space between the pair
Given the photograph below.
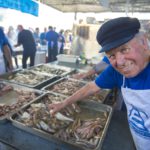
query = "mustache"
x=126 y=64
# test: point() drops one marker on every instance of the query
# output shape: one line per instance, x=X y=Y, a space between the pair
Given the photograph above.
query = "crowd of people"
x=31 y=40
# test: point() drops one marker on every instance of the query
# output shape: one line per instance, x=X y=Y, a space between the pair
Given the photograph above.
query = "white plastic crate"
x=40 y=57
x=67 y=58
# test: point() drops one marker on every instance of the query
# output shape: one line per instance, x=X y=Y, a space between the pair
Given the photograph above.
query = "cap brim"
x=115 y=44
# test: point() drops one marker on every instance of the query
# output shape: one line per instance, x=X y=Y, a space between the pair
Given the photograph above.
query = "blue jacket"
x=52 y=38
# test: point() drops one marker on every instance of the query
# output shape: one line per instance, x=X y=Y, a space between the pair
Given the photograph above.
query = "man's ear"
x=144 y=40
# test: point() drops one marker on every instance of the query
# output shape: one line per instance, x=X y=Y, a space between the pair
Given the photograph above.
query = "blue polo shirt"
x=110 y=78
x=52 y=36
x=43 y=38
x=106 y=60
x=3 y=39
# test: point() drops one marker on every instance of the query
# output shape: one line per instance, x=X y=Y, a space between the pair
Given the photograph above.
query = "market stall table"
x=117 y=138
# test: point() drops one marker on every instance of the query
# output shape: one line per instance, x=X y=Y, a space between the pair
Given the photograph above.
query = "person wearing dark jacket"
x=26 y=39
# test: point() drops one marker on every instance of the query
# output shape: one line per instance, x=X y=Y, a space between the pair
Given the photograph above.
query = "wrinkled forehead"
x=139 y=42
x=123 y=46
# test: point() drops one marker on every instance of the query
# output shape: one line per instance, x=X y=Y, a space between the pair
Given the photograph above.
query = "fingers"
x=78 y=76
x=75 y=76
x=53 y=109
x=52 y=113
x=51 y=106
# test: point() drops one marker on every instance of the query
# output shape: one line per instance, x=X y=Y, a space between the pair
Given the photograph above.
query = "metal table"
x=117 y=138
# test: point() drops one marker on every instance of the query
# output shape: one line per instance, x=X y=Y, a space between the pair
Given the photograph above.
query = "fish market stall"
x=82 y=126
x=68 y=86
x=117 y=138
x=13 y=97
x=28 y=78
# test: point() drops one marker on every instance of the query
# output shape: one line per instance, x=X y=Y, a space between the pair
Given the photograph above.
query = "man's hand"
x=84 y=74
x=79 y=76
x=56 y=107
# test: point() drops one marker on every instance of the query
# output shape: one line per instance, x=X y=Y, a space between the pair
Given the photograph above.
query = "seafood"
x=22 y=97
x=69 y=125
x=67 y=87
x=45 y=127
x=90 y=128
x=86 y=133
x=5 y=88
x=25 y=115
x=49 y=70
x=100 y=96
x=62 y=117
x=28 y=77
x=38 y=105
x=38 y=112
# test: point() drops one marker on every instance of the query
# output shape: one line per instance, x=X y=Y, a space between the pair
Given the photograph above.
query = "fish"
x=62 y=117
x=38 y=105
x=45 y=127
x=25 y=115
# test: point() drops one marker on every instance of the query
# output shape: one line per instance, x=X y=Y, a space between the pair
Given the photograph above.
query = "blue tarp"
x=26 y=6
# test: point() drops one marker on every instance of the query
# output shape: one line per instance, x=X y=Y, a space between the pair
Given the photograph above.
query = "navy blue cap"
x=116 y=32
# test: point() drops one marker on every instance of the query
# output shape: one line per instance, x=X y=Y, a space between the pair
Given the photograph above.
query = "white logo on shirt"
x=137 y=121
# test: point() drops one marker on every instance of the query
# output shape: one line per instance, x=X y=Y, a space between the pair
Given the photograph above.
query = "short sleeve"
x=109 y=79
x=106 y=60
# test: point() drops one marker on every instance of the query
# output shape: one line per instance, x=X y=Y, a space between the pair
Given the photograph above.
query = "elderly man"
x=128 y=52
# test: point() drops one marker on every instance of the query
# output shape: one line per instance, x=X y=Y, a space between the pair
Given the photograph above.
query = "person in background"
x=12 y=39
x=36 y=36
x=52 y=38
x=43 y=41
x=98 y=68
x=5 y=54
x=25 y=38
x=54 y=29
x=31 y=29
x=68 y=41
x=11 y=35
x=61 y=42
x=128 y=52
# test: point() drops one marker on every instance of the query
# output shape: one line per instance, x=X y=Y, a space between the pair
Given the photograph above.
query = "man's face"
x=19 y=28
x=131 y=58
